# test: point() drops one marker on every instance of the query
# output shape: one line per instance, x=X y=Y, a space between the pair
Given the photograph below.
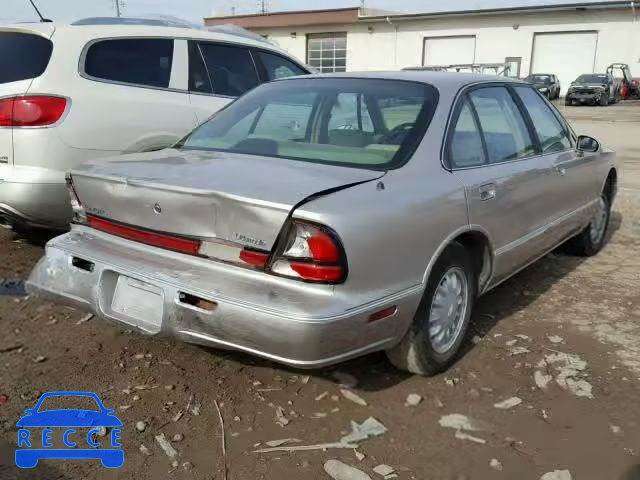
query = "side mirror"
x=587 y=144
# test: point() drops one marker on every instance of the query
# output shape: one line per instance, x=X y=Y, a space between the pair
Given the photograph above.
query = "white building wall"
x=378 y=46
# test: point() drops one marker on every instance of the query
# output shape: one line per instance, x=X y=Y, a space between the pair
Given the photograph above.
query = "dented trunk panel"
x=206 y=194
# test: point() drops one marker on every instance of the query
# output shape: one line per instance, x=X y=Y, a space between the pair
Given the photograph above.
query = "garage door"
x=449 y=50
x=568 y=55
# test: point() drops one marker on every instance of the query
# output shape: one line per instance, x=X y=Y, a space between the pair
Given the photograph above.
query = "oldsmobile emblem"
x=157 y=209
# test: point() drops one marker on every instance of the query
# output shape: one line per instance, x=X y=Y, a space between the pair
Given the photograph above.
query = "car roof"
x=440 y=80
x=89 y=31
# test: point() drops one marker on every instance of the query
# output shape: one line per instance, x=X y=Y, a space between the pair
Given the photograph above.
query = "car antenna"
x=42 y=19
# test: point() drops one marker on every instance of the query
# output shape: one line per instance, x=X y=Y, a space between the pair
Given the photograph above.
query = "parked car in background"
x=547 y=84
x=317 y=219
x=593 y=89
x=98 y=87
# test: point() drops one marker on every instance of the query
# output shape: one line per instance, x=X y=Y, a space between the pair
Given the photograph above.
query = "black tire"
x=568 y=102
x=604 y=100
x=583 y=244
x=415 y=353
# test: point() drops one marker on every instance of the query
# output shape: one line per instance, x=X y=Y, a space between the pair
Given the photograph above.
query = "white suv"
x=99 y=87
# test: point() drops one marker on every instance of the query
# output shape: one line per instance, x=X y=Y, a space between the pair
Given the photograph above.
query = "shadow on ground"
x=9 y=471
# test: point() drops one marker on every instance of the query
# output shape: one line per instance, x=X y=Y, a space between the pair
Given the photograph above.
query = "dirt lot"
x=571 y=322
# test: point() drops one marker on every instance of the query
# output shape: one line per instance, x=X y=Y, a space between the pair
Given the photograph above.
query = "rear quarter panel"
x=394 y=228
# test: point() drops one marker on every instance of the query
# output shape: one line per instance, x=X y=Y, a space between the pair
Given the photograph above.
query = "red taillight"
x=311 y=253
x=184 y=245
x=31 y=110
x=254 y=258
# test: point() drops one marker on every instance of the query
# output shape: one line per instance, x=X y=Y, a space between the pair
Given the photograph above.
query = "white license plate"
x=138 y=303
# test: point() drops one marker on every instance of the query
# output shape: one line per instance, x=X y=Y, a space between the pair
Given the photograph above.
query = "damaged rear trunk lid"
x=243 y=199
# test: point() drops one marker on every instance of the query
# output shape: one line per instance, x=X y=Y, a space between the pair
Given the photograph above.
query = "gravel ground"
x=560 y=342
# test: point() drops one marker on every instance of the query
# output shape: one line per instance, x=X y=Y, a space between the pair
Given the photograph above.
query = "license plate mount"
x=138 y=303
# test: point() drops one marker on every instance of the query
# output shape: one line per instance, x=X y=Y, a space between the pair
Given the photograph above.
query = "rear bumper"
x=279 y=319
x=33 y=196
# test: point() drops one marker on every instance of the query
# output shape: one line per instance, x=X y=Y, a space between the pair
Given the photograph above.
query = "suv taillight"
x=311 y=253
x=31 y=110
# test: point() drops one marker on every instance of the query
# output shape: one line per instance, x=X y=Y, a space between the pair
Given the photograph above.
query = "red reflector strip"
x=379 y=315
x=256 y=259
x=312 y=271
x=144 y=236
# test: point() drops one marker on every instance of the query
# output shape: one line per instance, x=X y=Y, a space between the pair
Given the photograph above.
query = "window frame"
x=83 y=57
x=82 y=61
x=453 y=118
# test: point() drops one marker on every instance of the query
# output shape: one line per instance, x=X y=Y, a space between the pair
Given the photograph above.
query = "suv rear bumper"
x=33 y=196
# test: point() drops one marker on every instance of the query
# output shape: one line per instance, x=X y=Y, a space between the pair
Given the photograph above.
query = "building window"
x=327 y=52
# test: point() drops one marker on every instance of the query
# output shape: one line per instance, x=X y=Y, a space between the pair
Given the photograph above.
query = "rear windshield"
x=23 y=56
x=592 y=79
x=367 y=123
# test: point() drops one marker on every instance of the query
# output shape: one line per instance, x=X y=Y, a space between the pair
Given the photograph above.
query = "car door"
x=131 y=96
x=571 y=184
x=493 y=153
x=218 y=73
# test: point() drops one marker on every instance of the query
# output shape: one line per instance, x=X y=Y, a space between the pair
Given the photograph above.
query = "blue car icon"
x=68 y=419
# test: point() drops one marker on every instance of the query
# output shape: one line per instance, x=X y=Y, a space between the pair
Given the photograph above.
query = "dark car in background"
x=593 y=89
x=546 y=83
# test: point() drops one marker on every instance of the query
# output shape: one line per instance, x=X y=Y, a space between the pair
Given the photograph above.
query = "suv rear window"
x=139 y=61
x=23 y=55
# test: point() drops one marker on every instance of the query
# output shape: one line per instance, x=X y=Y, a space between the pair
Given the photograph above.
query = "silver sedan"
x=321 y=218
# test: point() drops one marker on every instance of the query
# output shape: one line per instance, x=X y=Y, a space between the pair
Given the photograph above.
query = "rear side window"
x=24 y=56
x=465 y=147
x=277 y=66
x=231 y=69
x=139 y=61
x=505 y=131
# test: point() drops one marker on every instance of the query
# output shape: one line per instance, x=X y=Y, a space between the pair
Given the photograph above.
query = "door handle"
x=487 y=192
x=561 y=170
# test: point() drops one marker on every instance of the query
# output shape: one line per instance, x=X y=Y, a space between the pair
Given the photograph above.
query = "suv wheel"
x=441 y=322
x=604 y=100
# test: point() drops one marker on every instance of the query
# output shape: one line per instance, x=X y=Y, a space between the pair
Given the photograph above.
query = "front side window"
x=327 y=52
x=139 y=61
x=278 y=67
x=465 y=145
x=505 y=131
x=331 y=121
x=231 y=69
x=551 y=134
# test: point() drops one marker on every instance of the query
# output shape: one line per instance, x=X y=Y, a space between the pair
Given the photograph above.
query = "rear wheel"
x=568 y=102
x=591 y=240
x=439 y=327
